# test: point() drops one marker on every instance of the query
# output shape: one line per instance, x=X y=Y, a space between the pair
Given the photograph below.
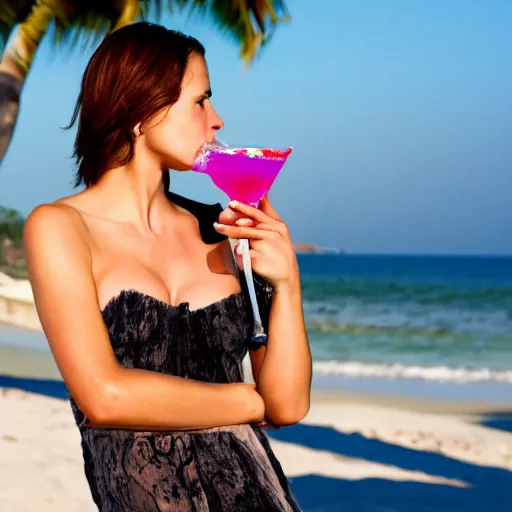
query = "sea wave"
x=473 y=330
x=336 y=327
x=439 y=373
x=458 y=294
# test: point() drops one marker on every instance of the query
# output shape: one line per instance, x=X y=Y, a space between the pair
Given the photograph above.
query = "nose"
x=217 y=122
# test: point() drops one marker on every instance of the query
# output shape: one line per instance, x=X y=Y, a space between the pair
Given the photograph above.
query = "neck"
x=136 y=194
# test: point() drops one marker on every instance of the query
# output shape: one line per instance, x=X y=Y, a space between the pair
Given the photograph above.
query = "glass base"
x=260 y=338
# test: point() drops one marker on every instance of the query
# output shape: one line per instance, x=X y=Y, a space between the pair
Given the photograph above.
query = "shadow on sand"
x=487 y=488
x=46 y=387
x=501 y=420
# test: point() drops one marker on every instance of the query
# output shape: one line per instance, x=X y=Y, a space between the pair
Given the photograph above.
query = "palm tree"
x=25 y=22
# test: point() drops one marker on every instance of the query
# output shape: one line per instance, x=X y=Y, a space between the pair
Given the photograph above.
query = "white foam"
x=440 y=373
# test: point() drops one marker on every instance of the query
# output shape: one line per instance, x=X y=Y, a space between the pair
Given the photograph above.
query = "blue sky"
x=399 y=112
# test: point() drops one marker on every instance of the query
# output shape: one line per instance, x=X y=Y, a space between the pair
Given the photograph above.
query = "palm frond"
x=91 y=19
x=250 y=23
x=155 y=7
x=11 y=12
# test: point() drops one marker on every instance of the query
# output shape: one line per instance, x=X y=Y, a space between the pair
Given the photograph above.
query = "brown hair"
x=135 y=72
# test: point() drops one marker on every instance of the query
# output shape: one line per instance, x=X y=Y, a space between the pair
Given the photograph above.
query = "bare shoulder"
x=51 y=222
x=55 y=245
x=60 y=219
x=55 y=240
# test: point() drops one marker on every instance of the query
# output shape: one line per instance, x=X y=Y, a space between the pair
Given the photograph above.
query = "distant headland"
x=306 y=248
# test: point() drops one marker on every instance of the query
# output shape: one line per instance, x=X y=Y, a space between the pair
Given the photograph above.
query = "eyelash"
x=201 y=102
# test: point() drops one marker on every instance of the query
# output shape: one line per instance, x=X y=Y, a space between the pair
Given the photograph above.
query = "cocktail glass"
x=245 y=175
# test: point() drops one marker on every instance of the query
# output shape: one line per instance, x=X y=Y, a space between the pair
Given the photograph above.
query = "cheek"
x=191 y=132
x=179 y=136
x=176 y=143
x=160 y=139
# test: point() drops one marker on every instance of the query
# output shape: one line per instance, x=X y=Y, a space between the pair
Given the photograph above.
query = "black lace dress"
x=218 y=469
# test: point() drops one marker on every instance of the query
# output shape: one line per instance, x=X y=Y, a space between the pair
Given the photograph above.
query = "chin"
x=184 y=166
x=180 y=165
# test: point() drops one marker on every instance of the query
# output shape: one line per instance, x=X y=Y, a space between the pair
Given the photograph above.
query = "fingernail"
x=233 y=204
x=217 y=225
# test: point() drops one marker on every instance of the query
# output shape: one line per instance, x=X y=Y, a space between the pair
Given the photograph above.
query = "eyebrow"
x=208 y=93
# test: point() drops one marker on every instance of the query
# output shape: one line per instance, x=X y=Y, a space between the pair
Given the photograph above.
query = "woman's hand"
x=271 y=249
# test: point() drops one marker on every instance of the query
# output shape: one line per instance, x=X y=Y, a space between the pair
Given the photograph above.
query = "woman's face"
x=176 y=134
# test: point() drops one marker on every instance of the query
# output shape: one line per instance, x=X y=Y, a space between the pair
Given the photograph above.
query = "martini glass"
x=245 y=175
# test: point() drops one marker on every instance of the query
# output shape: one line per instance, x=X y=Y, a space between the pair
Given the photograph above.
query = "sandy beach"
x=349 y=450
x=353 y=451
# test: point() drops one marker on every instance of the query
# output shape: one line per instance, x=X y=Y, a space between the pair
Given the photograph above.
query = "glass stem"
x=258 y=333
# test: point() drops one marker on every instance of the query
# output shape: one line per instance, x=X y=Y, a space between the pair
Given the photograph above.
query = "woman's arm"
x=60 y=270
x=257 y=358
x=284 y=379
x=286 y=326
x=283 y=371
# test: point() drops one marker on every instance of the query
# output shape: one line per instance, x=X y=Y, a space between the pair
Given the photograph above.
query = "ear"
x=136 y=130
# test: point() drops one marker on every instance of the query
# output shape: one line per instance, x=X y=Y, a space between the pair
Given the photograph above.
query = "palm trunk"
x=10 y=87
x=15 y=65
x=18 y=55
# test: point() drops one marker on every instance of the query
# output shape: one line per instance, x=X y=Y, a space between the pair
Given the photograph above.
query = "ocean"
x=437 y=318
x=433 y=326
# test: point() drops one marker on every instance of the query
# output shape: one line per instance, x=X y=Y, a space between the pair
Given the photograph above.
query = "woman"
x=141 y=303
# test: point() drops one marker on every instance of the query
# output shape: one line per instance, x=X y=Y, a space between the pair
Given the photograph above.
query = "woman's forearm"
x=145 y=400
x=285 y=376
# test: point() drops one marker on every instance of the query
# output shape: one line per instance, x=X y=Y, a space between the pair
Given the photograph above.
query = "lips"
x=200 y=149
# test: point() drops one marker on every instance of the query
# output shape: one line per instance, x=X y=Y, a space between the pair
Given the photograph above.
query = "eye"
x=201 y=102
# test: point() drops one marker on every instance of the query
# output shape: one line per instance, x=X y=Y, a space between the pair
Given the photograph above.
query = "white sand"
x=41 y=460
x=6 y=280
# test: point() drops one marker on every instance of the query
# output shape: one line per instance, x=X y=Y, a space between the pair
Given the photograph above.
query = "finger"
x=277 y=226
x=260 y=244
x=229 y=216
x=238 y=256
x=268 y=424
x=253 y=254
x=249 y=211
x=244 y=222
x=267 y=208
x=243 y=232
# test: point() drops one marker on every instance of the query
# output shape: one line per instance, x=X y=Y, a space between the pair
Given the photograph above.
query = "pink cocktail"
x=244 y=174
